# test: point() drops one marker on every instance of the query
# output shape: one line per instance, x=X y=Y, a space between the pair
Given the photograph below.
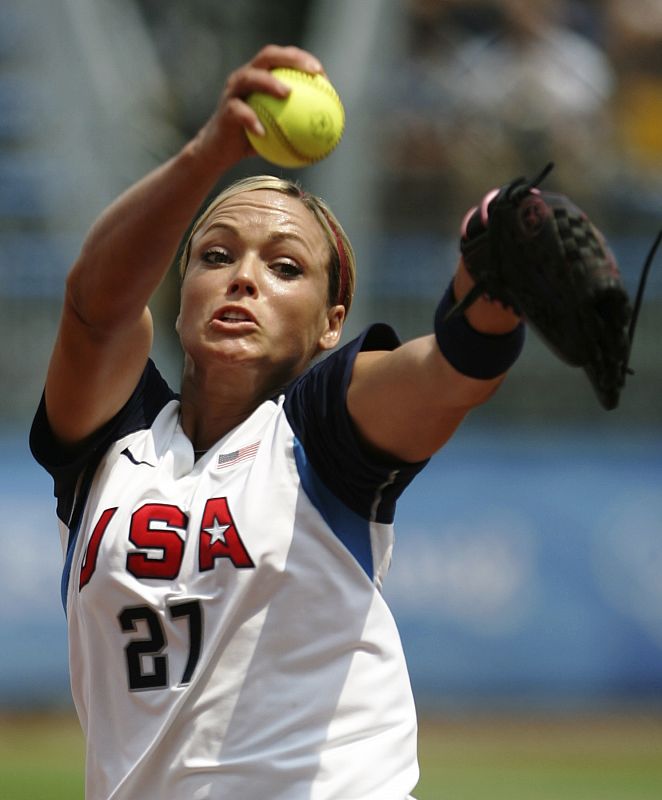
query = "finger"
x=243 y=114
x=252 y=79
x=273 y=56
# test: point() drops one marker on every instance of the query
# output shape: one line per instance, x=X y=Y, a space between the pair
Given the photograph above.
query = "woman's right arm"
x=105 y=331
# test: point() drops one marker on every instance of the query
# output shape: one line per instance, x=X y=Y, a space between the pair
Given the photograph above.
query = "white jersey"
x=227 y=633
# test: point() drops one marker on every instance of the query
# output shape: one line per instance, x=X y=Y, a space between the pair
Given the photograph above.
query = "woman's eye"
x=216 y=255
x=287 y=269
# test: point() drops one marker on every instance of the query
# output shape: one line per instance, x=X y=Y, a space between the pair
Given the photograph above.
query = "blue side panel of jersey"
x=352 y=529
x=74 y=528
x=66 y=569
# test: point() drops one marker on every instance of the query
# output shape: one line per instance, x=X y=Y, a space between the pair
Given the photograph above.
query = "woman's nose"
x=244 y=279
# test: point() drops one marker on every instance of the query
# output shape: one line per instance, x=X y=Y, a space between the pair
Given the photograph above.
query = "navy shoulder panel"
x=66 y=465
x=316 y=406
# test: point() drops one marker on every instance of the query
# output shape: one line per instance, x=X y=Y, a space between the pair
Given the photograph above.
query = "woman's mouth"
x=236 y=318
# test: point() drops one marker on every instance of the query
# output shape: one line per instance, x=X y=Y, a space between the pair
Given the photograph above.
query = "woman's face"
x=256 y=286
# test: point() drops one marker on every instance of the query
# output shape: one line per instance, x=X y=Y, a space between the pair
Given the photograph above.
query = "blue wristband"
x=475 y=354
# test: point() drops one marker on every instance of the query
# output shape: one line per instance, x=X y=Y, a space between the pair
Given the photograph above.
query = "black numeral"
x=192 y=610
x=147 y=663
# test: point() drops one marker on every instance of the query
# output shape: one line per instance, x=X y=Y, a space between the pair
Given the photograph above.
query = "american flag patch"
x=243 y=454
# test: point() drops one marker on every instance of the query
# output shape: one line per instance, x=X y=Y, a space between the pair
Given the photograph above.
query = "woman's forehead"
x=265 y=208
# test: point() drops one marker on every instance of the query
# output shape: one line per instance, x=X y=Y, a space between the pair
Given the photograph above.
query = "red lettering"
x=90 y=559
x=219 y=537
x=157 y=527
x=157 y=532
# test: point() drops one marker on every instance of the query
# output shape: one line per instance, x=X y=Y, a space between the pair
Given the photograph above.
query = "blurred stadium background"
x=527 y=577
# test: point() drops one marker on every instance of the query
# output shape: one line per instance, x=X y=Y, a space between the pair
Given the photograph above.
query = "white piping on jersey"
x=380 y=492
x=74 y=504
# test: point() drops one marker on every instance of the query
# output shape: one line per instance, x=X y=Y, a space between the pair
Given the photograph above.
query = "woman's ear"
x=335 y=317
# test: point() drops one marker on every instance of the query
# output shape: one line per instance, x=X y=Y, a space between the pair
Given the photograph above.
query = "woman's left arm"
x=407 y=403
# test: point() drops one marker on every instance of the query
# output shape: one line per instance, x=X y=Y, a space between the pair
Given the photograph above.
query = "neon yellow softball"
x=305 y=126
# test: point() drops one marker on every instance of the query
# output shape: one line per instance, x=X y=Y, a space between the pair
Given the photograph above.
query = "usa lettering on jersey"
x=161 y=527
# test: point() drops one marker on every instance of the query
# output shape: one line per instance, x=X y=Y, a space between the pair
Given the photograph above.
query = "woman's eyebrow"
x=217 y=226
x=277 y=236
x=272 y=236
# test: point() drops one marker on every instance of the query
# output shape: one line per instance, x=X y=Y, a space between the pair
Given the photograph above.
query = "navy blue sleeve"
x=66 y=465
x=316 y=406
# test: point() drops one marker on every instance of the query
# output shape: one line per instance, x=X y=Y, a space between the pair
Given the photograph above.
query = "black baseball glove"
x=538 y=253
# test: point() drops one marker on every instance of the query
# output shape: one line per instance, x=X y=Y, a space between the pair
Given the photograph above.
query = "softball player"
x=225 y=545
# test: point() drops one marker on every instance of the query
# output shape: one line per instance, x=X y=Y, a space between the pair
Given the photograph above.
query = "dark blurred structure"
x=487 y=90
x=633 y=38
x=84 y=109
x=200 y=42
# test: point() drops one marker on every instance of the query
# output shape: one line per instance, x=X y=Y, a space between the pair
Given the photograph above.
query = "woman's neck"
x=213 y=404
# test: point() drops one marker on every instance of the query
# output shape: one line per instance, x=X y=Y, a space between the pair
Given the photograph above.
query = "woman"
x=225 y=547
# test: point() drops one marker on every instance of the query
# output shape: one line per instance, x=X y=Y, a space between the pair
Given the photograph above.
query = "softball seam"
x=328 y=90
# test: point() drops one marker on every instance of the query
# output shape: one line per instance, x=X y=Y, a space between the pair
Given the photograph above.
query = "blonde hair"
x=342 y=262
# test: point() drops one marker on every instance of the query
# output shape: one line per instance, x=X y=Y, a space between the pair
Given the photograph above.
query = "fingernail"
x=258 y=128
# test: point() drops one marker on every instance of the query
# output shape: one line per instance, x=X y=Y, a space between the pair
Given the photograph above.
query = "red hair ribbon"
x=342 y=259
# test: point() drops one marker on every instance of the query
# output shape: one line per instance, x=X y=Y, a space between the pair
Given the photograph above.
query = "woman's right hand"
x=223 y=137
